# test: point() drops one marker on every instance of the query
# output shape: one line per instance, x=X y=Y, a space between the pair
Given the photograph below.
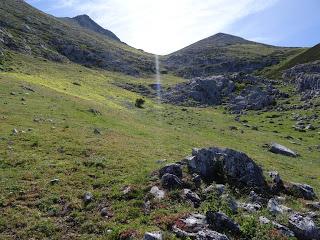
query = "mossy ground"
x=59 y=142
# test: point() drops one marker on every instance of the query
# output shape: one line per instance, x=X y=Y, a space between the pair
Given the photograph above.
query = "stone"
x=97 y=131
x=152 y=236
x=174 y=169
x=94 y=111
x=15 y=131
x=304 y=228
x=170 y=181
x=279 y=149
x=210 y=235
x=250 y=207
x=275 y=208
x=255 y=198
x=196 y=179
x=192 y=197
x=281 y=228
x=105 y=212
x=190 y=226
x=157 y=193
x=221 y=222
x=227 y=165
x=87 y=198
x=54 y=181
x=219 y=189
x=301 y=191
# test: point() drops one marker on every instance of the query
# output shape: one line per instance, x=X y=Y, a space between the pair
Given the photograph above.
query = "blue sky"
x=165 y=26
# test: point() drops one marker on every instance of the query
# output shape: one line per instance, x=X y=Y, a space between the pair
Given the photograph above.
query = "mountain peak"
x=226 y=39
x=87 y=22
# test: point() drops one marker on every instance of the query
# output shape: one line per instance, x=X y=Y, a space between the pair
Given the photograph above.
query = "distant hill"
x=86 y=22
x=30 y=31
x=224 y=53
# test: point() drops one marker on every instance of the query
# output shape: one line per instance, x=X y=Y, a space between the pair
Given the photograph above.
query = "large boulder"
x=304 y=227
x=227 y=165
x=279 y=149
x=192 y=197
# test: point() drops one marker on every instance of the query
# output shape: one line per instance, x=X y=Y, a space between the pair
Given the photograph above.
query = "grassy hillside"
x=223 y=53
x=56 y=140
x=28 y=30
x=303 y=56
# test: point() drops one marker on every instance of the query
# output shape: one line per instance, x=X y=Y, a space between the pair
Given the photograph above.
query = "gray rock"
x=210 y=235
x=304 y=228
x=97 y=131
x=157 y=193
x=87 y=198
x=105 y=212
x=301 y=190
x=219 y=189
x=152 y=236
x=192 y=197
x=279 y=149
x=190 y=226
x=197 y=180
x=250 y=207
x=15 y=131
x=221 y=222
x=281 y=228
x=200 y=91
x=174 y=169
x=255 y=198
x=227 y=165
x=275 y=208
x=170 y=181
x=54 y=181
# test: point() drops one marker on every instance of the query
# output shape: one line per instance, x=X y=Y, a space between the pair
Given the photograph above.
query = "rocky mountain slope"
x=27 y=30
x=86 y=22
x=223 y=53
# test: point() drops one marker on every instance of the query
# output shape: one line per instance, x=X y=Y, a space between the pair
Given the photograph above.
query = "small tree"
x=139 y=102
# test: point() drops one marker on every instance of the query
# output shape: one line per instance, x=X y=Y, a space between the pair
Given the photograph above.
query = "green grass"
x=63 y=145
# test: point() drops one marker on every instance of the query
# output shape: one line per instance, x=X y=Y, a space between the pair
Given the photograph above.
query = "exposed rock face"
x=174 y=169
x=300 y=190
x=203 y=91
x=304 y=227
x=227 y=165
x=171 y=181
x=279 y=149
x=306 y=77
x=254 y=98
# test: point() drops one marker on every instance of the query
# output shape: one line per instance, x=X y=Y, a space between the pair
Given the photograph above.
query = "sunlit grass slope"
x=56 y=140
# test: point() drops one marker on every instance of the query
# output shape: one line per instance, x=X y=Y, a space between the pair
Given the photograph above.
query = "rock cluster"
x=239 y=172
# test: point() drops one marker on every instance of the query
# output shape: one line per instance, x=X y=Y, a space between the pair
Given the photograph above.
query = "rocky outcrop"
x=253 y=98
x=170 y=181
x=227 y=165
x=200 y=91
x=174 y=169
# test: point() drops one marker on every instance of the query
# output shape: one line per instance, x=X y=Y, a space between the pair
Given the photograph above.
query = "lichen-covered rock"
x=157 y=193
x=275 y=208
x=210 y=235
x=227 y=165
x=304 y=227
